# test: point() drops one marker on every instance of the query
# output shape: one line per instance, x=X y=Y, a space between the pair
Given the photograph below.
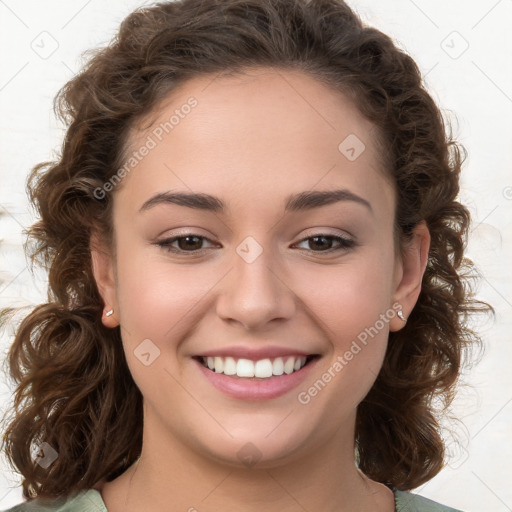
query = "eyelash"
x=345 y=243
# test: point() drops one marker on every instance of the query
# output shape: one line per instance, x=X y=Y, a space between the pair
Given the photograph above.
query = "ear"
x=103 y=270
x=409 y=272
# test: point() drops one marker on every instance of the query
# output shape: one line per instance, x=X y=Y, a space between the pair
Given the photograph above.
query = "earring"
x=109 y=313
x=401 y=315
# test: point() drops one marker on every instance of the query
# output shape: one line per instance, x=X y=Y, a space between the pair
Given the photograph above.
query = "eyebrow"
x=295 y=202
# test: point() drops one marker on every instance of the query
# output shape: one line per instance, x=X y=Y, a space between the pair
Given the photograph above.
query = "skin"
x=252 y=140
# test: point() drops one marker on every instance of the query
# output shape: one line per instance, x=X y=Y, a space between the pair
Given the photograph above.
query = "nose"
x=255 y=293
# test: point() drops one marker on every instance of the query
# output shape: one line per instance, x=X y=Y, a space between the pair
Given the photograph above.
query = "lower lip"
x=256 y=389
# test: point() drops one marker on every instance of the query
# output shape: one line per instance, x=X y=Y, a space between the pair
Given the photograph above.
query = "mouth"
x=261 y=369
x=252 y=373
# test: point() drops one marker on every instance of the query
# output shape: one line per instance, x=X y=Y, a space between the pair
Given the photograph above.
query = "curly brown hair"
x=74 y=389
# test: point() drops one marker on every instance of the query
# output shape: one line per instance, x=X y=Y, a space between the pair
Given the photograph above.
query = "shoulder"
x=84 y=501
x=408 y=502
x=91 y=501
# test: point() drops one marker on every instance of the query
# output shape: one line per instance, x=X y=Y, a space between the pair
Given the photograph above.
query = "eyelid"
x=312 y=232
x=345 y=243
x=166 y=242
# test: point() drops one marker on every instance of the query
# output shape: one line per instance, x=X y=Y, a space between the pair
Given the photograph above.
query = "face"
x=259 y=311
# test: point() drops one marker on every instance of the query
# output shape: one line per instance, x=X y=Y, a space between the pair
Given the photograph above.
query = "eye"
x=189 y=242
x=324 y=243
x=192 y=243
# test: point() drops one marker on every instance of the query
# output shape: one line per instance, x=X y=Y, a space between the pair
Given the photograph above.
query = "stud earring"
x=401 y=315
x=109 y=313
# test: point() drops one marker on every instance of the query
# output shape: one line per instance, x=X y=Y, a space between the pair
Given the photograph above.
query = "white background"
x=474 y=83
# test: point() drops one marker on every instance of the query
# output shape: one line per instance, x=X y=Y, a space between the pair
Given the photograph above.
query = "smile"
x=259 y=378
x=260 y=369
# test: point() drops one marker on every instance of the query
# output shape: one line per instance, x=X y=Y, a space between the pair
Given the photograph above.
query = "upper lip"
x=255 y=354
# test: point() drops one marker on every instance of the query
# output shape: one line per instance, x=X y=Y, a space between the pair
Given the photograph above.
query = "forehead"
x=261 y=134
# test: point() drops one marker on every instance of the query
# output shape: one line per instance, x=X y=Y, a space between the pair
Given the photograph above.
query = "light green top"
x=91 y=501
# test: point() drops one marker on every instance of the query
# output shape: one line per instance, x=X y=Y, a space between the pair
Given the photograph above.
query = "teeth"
x=245 y=368
x=278 y=366
x=262 y=369
x=289 y=365
x=229 y=366
x=219 y=365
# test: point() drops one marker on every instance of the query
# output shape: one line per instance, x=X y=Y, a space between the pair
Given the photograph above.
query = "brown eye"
x=191 y=243
x=185 y=243
x=323 y=243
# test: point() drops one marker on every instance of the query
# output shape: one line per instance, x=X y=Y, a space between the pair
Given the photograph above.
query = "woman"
x=256 y=268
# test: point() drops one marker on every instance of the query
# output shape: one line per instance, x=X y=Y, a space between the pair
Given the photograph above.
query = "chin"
x=257 y=446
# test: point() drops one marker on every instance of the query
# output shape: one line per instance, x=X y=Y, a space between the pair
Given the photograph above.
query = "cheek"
x=156 y=294
x=351 y=297
x=353 y=305
x=163 y=301
x=155 y=297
